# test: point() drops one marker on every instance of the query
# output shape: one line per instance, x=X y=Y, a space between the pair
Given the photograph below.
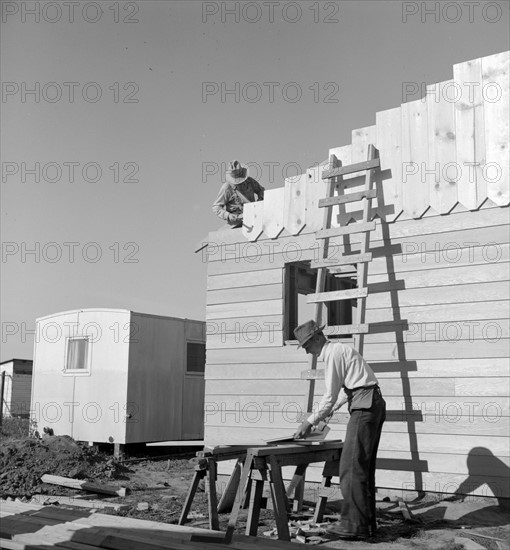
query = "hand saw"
x=318 y=433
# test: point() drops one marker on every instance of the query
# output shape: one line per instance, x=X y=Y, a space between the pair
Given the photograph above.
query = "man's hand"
x=234 y=218
x=304 y=430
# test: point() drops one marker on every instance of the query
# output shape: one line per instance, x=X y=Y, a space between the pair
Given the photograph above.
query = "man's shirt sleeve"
x=219 y=205
x=260 y=192
x=334 y=368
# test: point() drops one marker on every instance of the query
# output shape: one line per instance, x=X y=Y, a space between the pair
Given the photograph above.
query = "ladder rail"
x=322 y=271
x=334 y=176
x=362 y=275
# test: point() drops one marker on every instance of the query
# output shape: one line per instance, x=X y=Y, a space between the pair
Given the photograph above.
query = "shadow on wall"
x=486 y=469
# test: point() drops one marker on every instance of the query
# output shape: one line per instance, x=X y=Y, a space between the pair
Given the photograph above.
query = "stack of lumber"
x=26 y=526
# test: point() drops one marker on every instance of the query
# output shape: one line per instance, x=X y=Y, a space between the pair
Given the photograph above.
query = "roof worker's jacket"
x=231 y=198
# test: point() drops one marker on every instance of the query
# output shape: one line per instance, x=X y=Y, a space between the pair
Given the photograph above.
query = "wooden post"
x=212 y=499
x=118 y=450
x=2 y=398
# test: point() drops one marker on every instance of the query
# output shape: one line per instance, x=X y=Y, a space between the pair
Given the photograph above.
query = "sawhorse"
x=207 y=468
x=256 y=466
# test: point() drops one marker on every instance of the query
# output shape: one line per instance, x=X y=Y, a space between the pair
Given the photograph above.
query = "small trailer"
x=17 y=384
x=116 y=376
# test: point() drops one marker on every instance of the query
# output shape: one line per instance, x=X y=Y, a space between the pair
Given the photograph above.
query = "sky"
x=118 y=118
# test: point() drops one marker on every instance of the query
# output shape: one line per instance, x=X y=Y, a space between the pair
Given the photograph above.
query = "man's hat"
x=304 y=332
x=236 y=172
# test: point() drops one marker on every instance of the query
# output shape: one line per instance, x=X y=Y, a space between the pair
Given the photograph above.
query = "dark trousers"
x=357 y=467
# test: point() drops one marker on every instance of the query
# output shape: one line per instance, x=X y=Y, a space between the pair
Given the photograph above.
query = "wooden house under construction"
x=437 y=308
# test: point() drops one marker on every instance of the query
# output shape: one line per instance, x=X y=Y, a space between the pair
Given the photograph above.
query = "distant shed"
x=438 y=292
x=113 y=375
x=17 y=388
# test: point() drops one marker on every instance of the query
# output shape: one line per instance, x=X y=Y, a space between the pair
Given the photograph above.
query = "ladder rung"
x=315 y=374
x=336 y=330
x=345 y=230
x=350 y=169
x=343 y=260
x=337 y=295
x=351 y=197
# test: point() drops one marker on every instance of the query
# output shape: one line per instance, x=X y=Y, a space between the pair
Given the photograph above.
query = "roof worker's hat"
x=236 y=172
x=307 y=330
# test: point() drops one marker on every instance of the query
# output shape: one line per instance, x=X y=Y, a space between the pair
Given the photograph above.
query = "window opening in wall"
x=195 y=357
x=77 y=358
x=300 y=281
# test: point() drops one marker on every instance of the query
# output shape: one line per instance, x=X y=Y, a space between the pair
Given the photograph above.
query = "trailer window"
x=77 y=354
x=195 y=357
x=301 y=280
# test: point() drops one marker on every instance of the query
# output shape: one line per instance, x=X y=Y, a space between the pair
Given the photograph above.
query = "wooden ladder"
x=334 y=177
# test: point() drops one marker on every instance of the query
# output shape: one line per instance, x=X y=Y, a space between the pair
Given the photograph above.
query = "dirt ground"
x=157 y=487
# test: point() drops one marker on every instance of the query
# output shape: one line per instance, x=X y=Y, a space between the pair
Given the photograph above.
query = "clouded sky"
x=118 y=119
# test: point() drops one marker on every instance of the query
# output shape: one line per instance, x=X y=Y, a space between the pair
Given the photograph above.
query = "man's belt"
x=371 y=387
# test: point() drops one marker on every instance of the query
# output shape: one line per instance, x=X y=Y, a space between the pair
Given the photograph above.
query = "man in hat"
x=349 y=374
x=235 y=193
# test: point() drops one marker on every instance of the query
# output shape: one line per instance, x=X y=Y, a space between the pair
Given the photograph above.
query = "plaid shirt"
x=228 y=200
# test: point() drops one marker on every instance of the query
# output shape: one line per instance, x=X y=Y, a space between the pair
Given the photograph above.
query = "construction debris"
x=468 y=544
x=83 y=485
x=406 y=512
x=24 y=461
x=78 y=502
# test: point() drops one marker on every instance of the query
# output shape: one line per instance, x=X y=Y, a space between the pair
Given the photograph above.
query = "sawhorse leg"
x=212 y=498
x=199 y=474
x=280 y=502
x=257 y=480
x=209 y=470
x=297 y=486
x=229 y=494
x=243 y=485
x=330 y=469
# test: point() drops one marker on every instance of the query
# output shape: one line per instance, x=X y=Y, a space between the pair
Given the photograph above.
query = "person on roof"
x=238 y=190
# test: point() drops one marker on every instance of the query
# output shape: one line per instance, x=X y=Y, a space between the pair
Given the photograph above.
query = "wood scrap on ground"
x=92 y=504
x=406 y=512
x=83 y=485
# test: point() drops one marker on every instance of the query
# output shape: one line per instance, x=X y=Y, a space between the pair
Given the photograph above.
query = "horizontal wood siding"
x=439 y=341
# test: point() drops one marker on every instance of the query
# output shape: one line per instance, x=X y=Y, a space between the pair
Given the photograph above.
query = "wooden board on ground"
x=83 y=485
x=20 y=531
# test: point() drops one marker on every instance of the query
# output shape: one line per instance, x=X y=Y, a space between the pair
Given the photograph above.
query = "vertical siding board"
x=361 y=139
x=253 y=214
x=442 y=182
x=470 y=132
x=496 y=95
x=415 y=158
x=389 y=143
x=344 y=212
x=295 y=204
x=272 y=218
x=343 y=154
x=315 y=190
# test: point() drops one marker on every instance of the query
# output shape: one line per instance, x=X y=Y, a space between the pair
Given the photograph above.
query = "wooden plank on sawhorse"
x=265 y=464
